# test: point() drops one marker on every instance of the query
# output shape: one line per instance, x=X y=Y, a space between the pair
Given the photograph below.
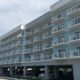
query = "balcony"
x=18 y=43
x=42 y=38
x=59 y=30
x=12 y=45
x=46 y=26
x=60 y=44
x=58 y=20
x=37 y=30
x=37 y=39
x=27 y=34
x=47 y=35
x=63 y=55
x=28 y=51
x=47 y=56
x=75 y=54
x=47 y=47
x=74 y=26
x=37 y=50
x=75 y=40
x=73 y=12
x=28 y=42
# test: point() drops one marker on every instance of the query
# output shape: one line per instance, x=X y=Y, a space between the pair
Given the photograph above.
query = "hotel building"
x=47 y=47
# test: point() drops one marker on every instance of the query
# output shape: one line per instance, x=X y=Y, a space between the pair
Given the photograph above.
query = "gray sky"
x=15 y=12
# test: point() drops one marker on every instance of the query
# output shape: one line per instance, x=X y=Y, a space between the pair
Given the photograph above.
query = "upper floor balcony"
x=27 y=58
x=75 y=10
x=28 y=42
x=61 y=55
x=37 y=57
x=28 y=50
x=12 y=45
x=75 y=54
x=47 y=46
x=58 y=18
x=75 y=24
x=18 y=43
x=47 y=56
x=37 y=48
x=46 y=26
x=75 y=39
x=37 y=30
x=60 y=42
x=27 y=34
x=37 y=38
x=59 y=29
x=47 y=35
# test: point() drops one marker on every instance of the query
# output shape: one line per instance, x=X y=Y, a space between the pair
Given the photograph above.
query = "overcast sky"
x=15 y=12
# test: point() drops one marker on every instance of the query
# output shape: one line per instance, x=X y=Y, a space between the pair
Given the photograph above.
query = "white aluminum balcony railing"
x=38 y=38
x=73 y=10
x=46 y=26
x=38 y=29
x=46 y=46
x=59 y=30
x=46 y=35
x=63 y=55
x=58 y=20
x=75 y=40
x=74 y=26
x=58 y=43
x=27 y=34
x=61 y=27
x=28 y=50
x=36 y=49
x=75 y=54
x=47 y=56
x=28 y=42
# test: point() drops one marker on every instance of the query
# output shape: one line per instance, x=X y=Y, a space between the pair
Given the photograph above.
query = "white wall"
x=76 y=71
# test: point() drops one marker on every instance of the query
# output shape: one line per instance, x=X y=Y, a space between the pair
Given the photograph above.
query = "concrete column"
x=24 y=71
x=1 y=71
x=55 y=73
x=11 y=71
x=76 y=71
x=46 y=72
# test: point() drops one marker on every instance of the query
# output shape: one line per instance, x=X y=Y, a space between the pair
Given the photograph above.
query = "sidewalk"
x=9 y=78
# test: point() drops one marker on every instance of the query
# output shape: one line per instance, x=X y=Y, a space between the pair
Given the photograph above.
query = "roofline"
x=38 y=20
x=11 y=32
x=62 y=4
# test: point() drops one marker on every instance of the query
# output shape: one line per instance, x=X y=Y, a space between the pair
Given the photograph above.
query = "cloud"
x=15 y=12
